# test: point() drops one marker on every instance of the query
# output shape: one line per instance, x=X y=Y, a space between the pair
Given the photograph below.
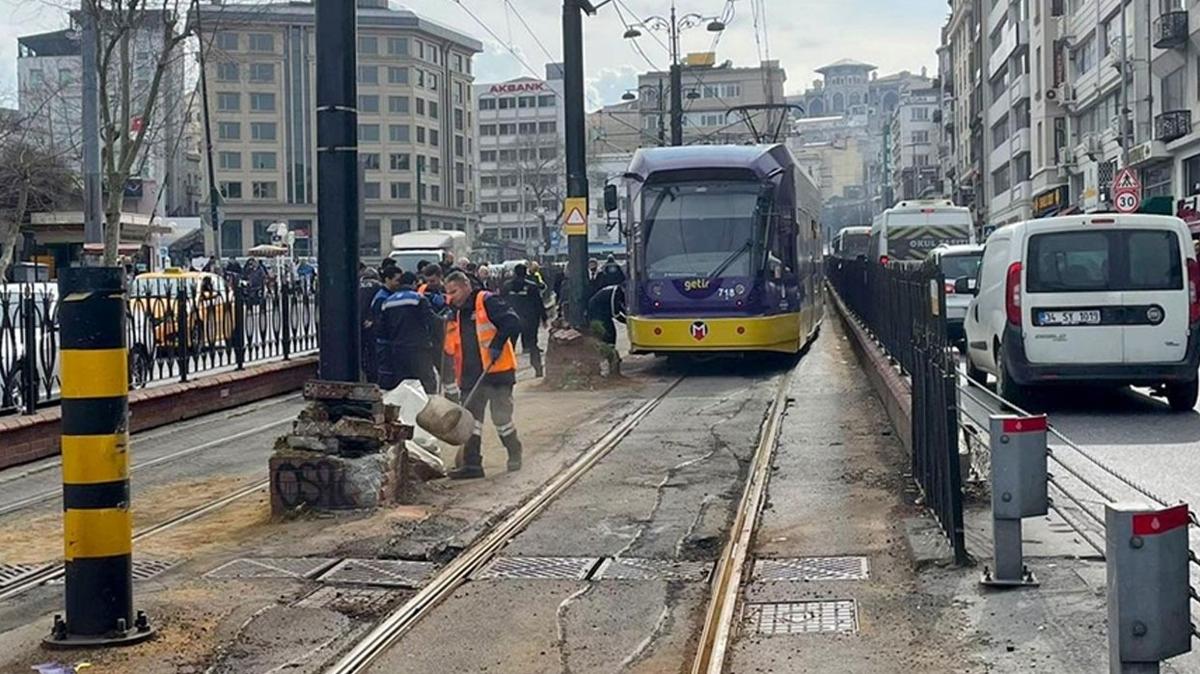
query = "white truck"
x=410 y=248
x=908 y=231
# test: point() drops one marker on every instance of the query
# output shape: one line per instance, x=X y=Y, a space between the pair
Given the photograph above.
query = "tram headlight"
x=739 y=289
x=656 y=289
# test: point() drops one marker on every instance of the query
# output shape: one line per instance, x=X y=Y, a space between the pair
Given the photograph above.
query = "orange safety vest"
x=422 y=288
x=485 y=332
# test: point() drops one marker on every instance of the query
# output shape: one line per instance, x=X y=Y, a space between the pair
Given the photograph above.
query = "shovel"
x=448 y=421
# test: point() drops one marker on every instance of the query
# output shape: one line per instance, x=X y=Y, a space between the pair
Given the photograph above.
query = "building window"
x=920 y=114
x=1000 y=132
x=458 y=146
x=369 y=242
x=527 y=102
x=490 y=207
x=262 y=234
x=401 y=190
x=230 y=189
x=487 y=104
x=368 y=45
x=263 y=102
x=369 y=160
x=368 y=74
x=435 y=137
x=400 y=161
x=547 y=101
x=229 y=102
x=1083 y=57
x=433 y=110
x=458 y=120
x=227 y=41
x=229 y=130
x=550 y=152
x=368 y=104
x=368 y=133
x=435 y=194
x=399 y=133
x=487 y=155
x=920 y=137
x=510 y=206
x=230 y=161
x=1191 y=174
x=231 y=238
x=397 y=75
x=262 y=72
x=421 y=134
x=398 y=46
x=267 y=189
x=435 y=165
x=262 y=161
x=401 y=225
x=527 y=128
x=262 y=130
x=420 y=106
x=370 y=190
x=1173 y=86
x=487 y=129
x=1000 y=180
x=507 y=103
x=227 y=72
x=262 y=42
x=398 y=105
x=548 y=127
x=1157 y=181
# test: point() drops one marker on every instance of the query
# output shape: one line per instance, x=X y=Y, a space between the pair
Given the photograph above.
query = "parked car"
x=954 y=263
x=1088 y=298
x=153 y=313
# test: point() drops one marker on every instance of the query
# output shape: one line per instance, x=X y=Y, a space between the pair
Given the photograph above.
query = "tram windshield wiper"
x=743 y=249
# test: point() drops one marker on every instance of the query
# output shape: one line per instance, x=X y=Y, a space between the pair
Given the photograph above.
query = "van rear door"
x=1072 y=306
x=1156 y=295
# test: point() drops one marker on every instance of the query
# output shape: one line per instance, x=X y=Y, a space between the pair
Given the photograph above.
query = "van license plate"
x=1082 y=317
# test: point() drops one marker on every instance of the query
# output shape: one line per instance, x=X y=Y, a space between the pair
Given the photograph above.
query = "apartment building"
x=416 y=114
x=710 y=91
x=915 y=135
x=961 y=76
x=522 y=175
x=50 y=97
x=1006 y=100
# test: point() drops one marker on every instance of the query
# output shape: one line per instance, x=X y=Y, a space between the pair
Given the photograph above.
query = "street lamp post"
x=673 y=27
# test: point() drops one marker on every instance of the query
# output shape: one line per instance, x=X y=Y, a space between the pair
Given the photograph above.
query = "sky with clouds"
x=801 y=34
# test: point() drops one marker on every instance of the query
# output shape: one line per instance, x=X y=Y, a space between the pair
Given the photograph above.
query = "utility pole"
x=576 y=151
x=662 y=119
x=676 y=84
x=337 y=190
x=93 y=212
x=1124 y=67
x=214 y=193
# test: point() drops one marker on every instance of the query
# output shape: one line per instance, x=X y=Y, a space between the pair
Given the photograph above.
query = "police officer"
x=406 y=331
x=525 y=295
x=477 y=338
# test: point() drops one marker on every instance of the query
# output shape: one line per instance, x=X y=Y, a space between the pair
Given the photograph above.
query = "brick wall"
x=29 y=438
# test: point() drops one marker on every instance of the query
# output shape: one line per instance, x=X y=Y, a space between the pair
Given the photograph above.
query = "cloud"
x=609 y=85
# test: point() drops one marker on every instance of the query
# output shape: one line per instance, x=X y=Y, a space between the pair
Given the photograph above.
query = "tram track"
x=725 y=582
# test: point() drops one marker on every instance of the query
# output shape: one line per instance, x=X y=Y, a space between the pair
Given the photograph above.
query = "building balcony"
x=1172 y=125
x=996 y=14
x=1171 y=30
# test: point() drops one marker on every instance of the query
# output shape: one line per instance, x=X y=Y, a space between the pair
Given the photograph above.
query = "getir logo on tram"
x=694 y=284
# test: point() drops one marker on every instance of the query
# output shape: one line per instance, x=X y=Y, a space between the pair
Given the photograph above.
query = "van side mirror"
x=965 y=286
x=611 y=202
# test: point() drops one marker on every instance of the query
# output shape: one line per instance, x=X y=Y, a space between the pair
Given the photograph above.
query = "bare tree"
x=541 y=173
x=32 y=179
x=138 y=49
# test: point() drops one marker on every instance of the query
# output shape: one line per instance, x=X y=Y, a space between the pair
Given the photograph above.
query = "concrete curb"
x=28 y=438
x=891 y=387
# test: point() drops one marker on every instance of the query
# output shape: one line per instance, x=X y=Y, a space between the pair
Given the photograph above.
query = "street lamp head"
x=716 y=26
x=628 y=96
x=692 y=94
x=632 y=33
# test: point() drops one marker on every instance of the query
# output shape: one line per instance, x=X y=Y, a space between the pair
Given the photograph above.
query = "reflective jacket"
x=486 y=334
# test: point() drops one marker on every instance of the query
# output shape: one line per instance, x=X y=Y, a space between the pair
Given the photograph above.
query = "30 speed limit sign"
x=1127 y=202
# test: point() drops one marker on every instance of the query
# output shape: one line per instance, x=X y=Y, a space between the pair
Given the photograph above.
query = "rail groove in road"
x=55 y=571
x=727 y=579
x=441 y=586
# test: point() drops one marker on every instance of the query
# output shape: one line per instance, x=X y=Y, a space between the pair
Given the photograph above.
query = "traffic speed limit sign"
x=1127 y=202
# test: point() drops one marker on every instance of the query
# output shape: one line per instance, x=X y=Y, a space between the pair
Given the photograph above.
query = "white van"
x=409 y=248
x=1088 y=298
x=910 y=229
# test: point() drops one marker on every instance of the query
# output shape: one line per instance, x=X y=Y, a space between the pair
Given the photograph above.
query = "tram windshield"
x=701 y=229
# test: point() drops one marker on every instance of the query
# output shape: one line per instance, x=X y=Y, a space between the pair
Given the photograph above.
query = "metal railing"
x=904 y=308
x=1171 y=29
x=175 y=329
x=1173 y=124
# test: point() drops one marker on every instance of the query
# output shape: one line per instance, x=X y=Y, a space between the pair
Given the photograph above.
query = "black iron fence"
x=904 y=308
x=177 y=328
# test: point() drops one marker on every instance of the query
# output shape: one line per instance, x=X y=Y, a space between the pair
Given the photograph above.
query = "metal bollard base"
x=1027 y=579
x=61 y=639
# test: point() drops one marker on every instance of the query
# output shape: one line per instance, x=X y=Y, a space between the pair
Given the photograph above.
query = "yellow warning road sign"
x=575 y=216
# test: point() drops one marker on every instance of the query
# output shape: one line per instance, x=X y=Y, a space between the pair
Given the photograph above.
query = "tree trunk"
x=112 y=223
x=10 y=228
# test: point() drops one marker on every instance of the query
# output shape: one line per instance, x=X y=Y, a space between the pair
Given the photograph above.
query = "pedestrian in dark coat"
x=525 y=296
x=407 y=331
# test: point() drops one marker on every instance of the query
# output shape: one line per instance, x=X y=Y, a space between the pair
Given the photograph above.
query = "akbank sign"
x=517 y=87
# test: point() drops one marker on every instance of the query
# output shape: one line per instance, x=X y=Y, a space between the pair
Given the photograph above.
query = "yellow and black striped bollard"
x=97 y=524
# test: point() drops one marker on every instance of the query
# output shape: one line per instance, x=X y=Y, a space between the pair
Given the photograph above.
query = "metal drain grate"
x=632 y=568
x=350 y=600
x=298 y=568
x=801 y=617
x=11 y=574
x=145 y=569
x=383 y=572
x=538 y=568
x=810 y=569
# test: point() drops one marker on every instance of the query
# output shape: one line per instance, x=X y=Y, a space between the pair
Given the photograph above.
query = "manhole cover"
x=810 y=568
x=352 y=601
x=801 y=617
x=632 y=568
x=10 y=574
x=538 y=568
x=298 y=568
x=385 y=572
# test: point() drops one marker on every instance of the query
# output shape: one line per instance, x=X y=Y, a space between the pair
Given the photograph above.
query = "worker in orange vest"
x=478 y=338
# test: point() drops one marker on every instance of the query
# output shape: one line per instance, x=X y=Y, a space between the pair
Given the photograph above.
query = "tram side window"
x=783 y=243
